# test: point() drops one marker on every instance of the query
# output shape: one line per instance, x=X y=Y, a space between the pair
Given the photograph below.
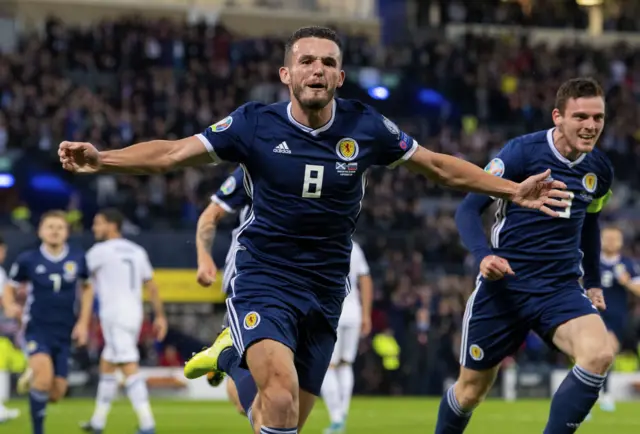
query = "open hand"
x=537 y=192
x=80 y=334
x=160 y=328
x=79 y=157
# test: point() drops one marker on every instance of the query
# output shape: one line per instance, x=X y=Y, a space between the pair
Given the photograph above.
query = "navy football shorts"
x=497 y=319
x=39 y=341
x=264 y=304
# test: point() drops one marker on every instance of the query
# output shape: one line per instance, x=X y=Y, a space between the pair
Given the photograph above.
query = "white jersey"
x=118 y=269
x=352 y=307
x=230 y=260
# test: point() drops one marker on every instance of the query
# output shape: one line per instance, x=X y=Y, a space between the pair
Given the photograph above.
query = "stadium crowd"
x=132 y=80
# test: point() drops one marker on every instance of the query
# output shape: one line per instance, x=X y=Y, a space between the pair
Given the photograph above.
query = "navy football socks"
x=452 y=418
x=267 y=430
x=605 y=385
x=38 y=408
x=573 y=400
x=229 y=362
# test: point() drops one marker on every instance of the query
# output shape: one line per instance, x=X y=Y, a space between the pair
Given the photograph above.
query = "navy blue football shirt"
x=52 y=288
x=306 y=185
x=543 y=251
x=616 y=296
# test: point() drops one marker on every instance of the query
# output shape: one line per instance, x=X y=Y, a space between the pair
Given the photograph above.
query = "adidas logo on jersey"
x=282 y=148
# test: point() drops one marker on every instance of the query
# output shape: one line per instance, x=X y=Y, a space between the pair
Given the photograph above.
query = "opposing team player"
x=121 y=269
x=355 y=321
x=231 y=197
x=52 y=274
x=620 y=275
x=305 y=164
x=530 y=274
x=8 y=328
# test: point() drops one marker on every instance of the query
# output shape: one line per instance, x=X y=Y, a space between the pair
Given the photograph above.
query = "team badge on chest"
x=590 y=182
x=70 y=270
x=347 y=149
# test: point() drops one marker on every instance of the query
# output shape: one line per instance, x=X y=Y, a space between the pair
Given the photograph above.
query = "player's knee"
x=279 y=400
x=472 y=387
x=598 y=360
x=470 y=395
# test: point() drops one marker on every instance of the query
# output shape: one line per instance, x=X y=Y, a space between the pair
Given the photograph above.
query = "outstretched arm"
x=534 y=192
x=156 y=156
x=459 y=174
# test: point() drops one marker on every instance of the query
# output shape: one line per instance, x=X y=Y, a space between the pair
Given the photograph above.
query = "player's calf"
x=585 y=339
x=41 y=385
x=232 y=391
x=58 y=390
x=462 y=398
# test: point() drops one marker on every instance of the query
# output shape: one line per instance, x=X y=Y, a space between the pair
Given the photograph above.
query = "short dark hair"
x=311 y=32
x=55 y=213
x=581 y=87
x=112 y=215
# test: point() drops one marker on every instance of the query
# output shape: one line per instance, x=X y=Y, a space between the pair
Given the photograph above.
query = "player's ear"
x=285 y=77
x=556 y=116
x=341 y=79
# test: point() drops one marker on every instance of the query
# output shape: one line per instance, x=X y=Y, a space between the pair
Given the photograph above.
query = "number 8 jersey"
x=306 y=185
x=544 y=251
x=118 y=269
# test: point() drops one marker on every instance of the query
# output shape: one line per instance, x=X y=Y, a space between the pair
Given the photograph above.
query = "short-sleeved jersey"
x=306 y=185
x=232 y=197
x=544 y=251
x=118 y=269
x=52 y=283
x=352 y=306
x=617 y=296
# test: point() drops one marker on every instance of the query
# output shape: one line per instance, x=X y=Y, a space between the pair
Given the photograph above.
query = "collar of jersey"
x=49 y=257
x=309 y=130
x=610 y=261
x=557 y=153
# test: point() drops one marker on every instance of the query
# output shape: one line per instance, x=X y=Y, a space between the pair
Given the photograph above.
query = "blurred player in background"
x=120 y=269
x=230 y=198
x=8 y=327
x=305 y=163
x=355 y=322
x=620 y=275
x=530 y=276
x=53 y=273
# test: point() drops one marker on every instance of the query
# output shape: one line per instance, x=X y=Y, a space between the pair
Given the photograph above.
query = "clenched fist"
x=79 y=157
x=494 y=267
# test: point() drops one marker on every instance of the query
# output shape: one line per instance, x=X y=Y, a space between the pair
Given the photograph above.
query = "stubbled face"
x=100 y=227
x=53 y=231
x=611 y=241
x=313 y=72
x=581 y=123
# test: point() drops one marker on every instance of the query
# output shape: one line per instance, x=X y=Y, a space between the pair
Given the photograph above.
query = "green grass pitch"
x=387 y=415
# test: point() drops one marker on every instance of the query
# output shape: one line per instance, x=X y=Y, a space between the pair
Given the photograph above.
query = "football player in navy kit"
x=52 y=273
x=620 y=279
x=530 y=271
x=305 y=165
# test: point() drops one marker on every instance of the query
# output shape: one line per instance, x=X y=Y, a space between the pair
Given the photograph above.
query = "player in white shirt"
x=355 y=322
x=231 y=197
x=120 y=269
x=7 y=325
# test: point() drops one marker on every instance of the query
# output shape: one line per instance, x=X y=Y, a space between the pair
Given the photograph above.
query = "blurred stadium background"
x=460 y=76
